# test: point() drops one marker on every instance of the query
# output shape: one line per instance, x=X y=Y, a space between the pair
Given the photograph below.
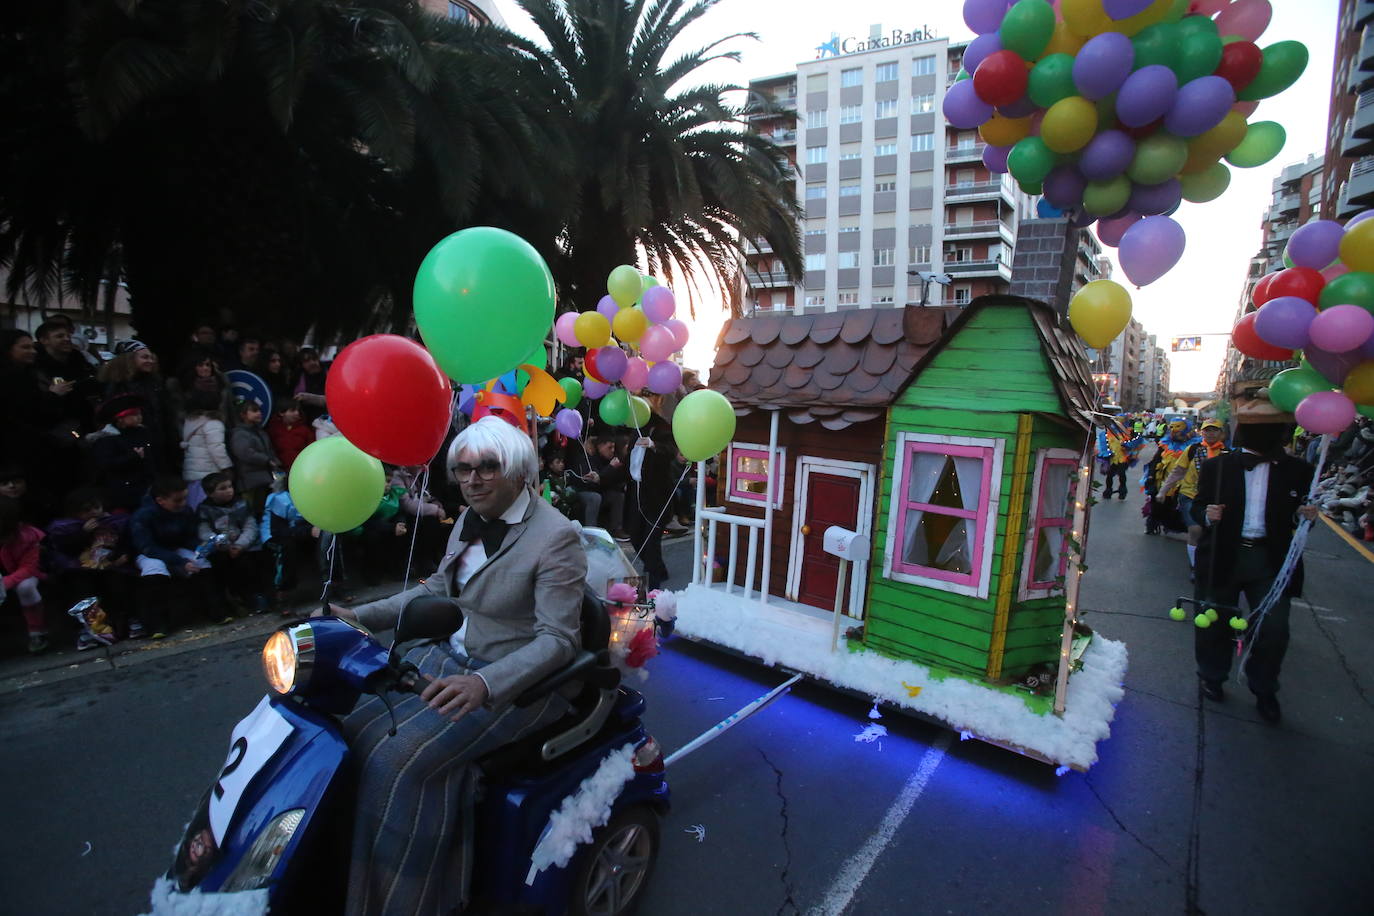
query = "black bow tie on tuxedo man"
x=1252 y=461
x=491 y=532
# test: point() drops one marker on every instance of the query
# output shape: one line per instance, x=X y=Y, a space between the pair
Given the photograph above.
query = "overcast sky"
x=1201 y=293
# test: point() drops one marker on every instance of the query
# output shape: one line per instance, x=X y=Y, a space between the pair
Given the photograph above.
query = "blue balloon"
x=1046 y=210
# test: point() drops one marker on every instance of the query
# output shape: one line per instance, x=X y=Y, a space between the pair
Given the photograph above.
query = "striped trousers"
x=413 y=828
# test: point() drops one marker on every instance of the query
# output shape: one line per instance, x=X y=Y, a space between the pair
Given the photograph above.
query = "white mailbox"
x=846 y=544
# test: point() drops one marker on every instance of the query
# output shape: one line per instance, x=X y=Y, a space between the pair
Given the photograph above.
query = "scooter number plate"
x=255 y=739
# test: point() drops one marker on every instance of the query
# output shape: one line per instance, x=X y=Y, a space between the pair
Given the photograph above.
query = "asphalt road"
x=1192 y=808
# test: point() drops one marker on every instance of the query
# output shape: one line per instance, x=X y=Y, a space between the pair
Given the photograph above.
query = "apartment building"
x=483 y=11
x=1297 y=198
x=1348 y=164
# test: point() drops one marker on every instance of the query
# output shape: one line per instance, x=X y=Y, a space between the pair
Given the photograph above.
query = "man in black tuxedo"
x=1249 y=501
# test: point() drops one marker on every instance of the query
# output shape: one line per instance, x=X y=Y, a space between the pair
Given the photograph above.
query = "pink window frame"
x=734 y=492
x=1041 y=521
x=979 y=515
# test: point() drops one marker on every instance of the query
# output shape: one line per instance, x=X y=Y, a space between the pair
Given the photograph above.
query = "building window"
x=816 y=118
x=815 y=232
x=885 y=72
x=885 y=108
x=882 y=257
x=848 y=259
x=943 y=512
x=963 y=294
x=813 y=301
x=921 y=143
x=854 y=151
x=852 y=77
x=851 y=114
x=815 y=155
x=920 y=254
x=748 y=481
x=959 y=255
x=885 y=149
x=849 y=189
x=881 y=186
x=922 y=102
x=815 y=191
x=817 y=82
x=847 y=299
x=844 y=229
x=815 y=261
x=1051 y=519
x=923 y=66
x=882 y=300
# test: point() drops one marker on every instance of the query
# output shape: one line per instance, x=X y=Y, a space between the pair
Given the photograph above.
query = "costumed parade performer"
x=1172 y=447
x=1183 y=480
x=1117 y=449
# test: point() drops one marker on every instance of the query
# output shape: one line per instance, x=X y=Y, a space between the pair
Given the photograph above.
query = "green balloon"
x=573 y=389
x=1158 y=158
x=1287 y=261
x=1190 y=24
x=1209 y=184
x=1027 y=28
x=1199 y=52
x=1156 y=46
x=1365 y=410
x=1051 y=79
x=615 y=408
x=483 y=299
x=335 y=485
x=624 y=285
x=1033 y=188
x=1101 y=198
x=703 y=424
x=538 y=358
x=639 y=412
x=962 y=75
x=1263 y=141
x=1289 y=387
x=1353 y=288
x=1283 y=63
x=1030 y=160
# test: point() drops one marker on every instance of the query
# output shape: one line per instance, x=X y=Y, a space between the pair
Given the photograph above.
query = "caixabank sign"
x=838 y=46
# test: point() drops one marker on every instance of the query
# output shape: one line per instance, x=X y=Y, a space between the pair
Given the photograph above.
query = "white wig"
x=493 y=437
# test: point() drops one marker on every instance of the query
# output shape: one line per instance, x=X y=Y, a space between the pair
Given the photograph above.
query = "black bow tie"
x=491 y=532
x=1252 y=461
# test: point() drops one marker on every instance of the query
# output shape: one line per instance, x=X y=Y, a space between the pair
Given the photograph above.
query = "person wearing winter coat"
x=287 y=536
x=231 y=530
x=165 y=534
x=202 y=442
x=89 y=556
x=289 y=432
x=22 y=572
x=123 y=455
x=254 y=459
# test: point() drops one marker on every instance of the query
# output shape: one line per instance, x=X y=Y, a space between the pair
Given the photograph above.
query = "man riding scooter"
x=515 y=567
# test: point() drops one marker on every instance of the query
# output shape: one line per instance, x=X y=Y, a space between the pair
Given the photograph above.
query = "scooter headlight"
x=279 y=662
x=255 y=870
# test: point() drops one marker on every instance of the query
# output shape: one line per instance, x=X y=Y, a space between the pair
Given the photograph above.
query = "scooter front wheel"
x=610 y=874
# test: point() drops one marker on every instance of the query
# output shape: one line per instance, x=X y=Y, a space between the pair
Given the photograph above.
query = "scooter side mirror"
x=428 y=617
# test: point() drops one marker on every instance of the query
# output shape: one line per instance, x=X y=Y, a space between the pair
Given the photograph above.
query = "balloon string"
x=329 y=575
x=423 y=481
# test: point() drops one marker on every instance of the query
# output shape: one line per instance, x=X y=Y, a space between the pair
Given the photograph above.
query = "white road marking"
x=856 y=869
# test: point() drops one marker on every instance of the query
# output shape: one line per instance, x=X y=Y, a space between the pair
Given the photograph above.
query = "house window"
x=851 y=114
x=885 y=72
x=881 y=186
x=885 y=149
x=814 y=232
x=963 y=294
x=921 y=143
x=847 y=299
x=923 y=102
x=815 y=155
x=815 y=261
x=942 y=515
x=748 y=481
x=1051 y=520
x=817 y=117
x=882 y=257
x=923 y=66
x=852 y=77
x=885 y=108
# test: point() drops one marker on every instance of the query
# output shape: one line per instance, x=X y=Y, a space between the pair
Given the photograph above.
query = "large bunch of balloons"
x=1118 y=110
x=1321 y=309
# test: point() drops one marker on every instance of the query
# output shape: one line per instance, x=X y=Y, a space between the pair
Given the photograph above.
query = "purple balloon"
x=658 y=303
x=994 y=157
x=611 y=362
x=1341 y=328
x=608 y=307
x=1199 y=106
x=1154 y=199
x=1334 y=367
x=963 y=108
x=1102 y=65
x=984 y=15
x=1146 y=96
x=1150 y=248
x=1317 y=243
x=1021 y=108
x=1287 y=323
x=1110 y=231
x=1124 y=9
x=569 y=423
x=1082 y=220
x=1106 y=156
x=593 y=389
x=1357 y=218
x=1063 y=187
x=665 y=377
x=980 y=48
x=1327 y=412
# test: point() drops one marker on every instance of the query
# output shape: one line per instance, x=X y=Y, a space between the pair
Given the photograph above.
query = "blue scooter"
x=276 y=825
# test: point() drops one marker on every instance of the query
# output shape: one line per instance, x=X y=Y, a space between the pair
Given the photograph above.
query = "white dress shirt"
x=1256 y=495
x=475 y=555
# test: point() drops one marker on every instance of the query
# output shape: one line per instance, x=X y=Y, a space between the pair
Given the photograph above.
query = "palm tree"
x=655 y=167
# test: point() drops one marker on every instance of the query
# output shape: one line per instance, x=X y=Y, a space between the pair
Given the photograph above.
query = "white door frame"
x=865 y=474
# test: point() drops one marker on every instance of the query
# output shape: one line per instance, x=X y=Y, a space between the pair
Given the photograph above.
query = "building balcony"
x=975 y=190
x=783 y=137
x=968 y=152
x=1364 y=13
x=757 y=246
x=1284 y=205
x=979 y=228
x=1362 y=122
x=767 y=281
x=1280 y=233
x=986 y=268
x=1359 y=189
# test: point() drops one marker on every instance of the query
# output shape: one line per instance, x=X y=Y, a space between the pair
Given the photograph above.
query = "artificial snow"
x=168 y=901
x=871 y=733
x=581 y=812
x=792 y=640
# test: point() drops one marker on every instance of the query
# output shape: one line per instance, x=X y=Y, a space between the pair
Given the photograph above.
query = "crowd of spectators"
x=1346 y=489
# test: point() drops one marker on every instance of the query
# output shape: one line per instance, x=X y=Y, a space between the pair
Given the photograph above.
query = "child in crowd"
x=89 y=557
x=254 y=459
x=165 y=534
x=202 y=441
x=287 y=535
x=19 y=564
x=422 y=508
x=123 y=455
x=236 y=558
x=289 y=432
x=562 y=496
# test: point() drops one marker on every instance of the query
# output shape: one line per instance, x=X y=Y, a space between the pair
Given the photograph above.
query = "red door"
x=830 y=500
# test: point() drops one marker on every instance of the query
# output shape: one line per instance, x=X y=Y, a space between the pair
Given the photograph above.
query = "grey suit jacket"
x=523 y=605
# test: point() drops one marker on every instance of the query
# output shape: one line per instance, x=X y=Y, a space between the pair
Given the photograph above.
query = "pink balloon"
x=1341 y=328
x=1109 y=231
x=1246 y=109
x=658 y=343
x=1327 y=412
x=1207 y=7
x=594 y=389
x=1246 y=18
x=611 y=362
x=658 y=303
x=608 y=307
x=665 y=377
x=636 y=375
x=563 y=327
x=680 y=331
x=1334 y=271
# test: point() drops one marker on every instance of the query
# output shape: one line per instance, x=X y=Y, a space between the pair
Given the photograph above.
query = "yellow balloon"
x=1357 y=247
x=1063 y=41
x=1069 y=124
x=1206 y=148
x=1100 y=311
x=1084 y=18
x=630 y=324
x=1359 y=382
x=1000 y=130
x=1153 y=14
x=592 y=329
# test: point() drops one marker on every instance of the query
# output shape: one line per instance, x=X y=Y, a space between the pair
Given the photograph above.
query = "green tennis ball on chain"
x=1177 y=613
x=1212 y=614
x=1240 y=624
x=1202 y=621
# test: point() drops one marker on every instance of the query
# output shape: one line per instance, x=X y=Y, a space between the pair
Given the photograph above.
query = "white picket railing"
x=714 y=517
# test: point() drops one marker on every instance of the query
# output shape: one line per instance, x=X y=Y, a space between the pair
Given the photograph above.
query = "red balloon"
x=1240 y=63
x=1260 y=294
x=1244 y=339
x=389 y=397
x=1001 y=78
x=589 y=366
x=1303 y=282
